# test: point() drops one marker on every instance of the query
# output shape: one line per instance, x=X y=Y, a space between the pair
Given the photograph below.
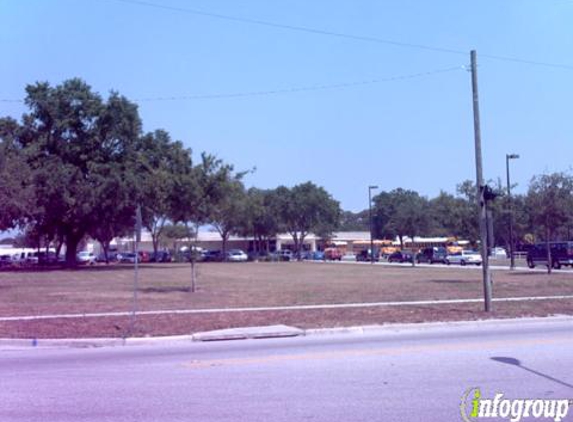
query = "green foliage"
x=305 y=208
x=350 y=221
x=16 y=194
x=165 y=180
x=260 y=221
x=550 y=202
x=77 y=149
x=228 y=205
x=401 y=213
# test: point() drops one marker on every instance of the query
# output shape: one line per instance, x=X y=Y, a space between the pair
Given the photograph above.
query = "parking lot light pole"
x=510 y=209
x=370 y=188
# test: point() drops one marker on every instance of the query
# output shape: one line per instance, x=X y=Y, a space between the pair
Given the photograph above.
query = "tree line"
x=79 y=165
x=543 y=213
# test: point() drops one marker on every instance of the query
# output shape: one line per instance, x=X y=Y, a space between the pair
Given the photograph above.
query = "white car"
x=349 y=257
x=498 y=253
x=86 y=258
x=236 y=255
x=464 y=258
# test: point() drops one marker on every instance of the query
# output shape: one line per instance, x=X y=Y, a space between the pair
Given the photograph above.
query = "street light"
x=370 y=188
x=511 y=257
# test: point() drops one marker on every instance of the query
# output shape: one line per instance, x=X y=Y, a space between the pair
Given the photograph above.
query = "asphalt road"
x=409 y=374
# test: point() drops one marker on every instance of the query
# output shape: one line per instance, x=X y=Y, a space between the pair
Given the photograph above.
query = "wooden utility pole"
x=480 y=188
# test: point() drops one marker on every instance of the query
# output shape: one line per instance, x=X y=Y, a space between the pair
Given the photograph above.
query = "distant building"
x=348 y=242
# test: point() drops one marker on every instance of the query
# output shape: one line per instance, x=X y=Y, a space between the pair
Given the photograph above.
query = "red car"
x=332 y=254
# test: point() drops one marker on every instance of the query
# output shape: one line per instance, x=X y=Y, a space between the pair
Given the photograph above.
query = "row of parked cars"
x=439 y=255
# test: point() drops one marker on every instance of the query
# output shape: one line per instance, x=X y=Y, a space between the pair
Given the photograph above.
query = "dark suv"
x=432 y=255
x=401 y=256
x=561 y=254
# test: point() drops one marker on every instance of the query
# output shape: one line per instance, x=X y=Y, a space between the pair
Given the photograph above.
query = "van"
x=561 y=254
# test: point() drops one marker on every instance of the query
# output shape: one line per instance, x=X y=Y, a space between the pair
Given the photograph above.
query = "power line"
x=292 y=90
x=355 y=37
x=292 y=27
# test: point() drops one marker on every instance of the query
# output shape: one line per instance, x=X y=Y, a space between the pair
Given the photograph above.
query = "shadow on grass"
x=166 y=289
x=80 y=268
x=450 y=281
x=525 y=273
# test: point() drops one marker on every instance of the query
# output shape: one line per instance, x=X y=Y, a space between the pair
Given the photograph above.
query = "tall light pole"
x=370 y=188
x=510 y=209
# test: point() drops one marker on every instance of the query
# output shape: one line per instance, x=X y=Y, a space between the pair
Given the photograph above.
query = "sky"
x=343 y=93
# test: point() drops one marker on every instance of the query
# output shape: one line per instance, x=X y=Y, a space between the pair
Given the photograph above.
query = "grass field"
x=166 y=286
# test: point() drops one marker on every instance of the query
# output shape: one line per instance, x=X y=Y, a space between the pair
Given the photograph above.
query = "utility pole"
x=480 y=188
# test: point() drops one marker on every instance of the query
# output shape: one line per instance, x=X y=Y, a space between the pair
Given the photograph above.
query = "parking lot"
x=102 y=289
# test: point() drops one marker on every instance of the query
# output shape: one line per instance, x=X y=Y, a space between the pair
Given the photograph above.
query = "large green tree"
x=228 y=210
x=16 y=193
x=74 y=142
x=260 y=221
x=165 y=172
x=306 y=208
x=550 y=200
x=401 y=213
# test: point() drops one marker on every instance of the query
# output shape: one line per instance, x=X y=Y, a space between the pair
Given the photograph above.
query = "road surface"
x=410 y=374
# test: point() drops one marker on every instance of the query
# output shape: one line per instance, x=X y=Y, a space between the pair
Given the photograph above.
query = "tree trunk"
x=548 y=246
x=71 y=250
x=105 y=247
x=295 y=240
x=59 y=247
x=301 y=246
x=413 y=253
x=224 y=238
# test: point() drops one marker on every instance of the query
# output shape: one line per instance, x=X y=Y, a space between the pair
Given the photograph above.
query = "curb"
x=252 y=333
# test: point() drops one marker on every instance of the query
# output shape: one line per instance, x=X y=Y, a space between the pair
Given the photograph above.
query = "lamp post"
x=370 y=188
x=511 y=255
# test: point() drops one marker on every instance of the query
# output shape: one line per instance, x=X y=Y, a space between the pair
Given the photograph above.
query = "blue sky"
x=414 y=133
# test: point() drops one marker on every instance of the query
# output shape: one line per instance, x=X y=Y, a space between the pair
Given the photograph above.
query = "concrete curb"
x=277 y=331
x=400 y=327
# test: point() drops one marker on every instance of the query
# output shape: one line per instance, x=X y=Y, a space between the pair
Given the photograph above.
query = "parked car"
x=348 y=257
x=86 y=258
x=432 y=255
x=464 y=257
x=318 y=256
x=365 y=256
x=236 y=255
x=561 y=254
x=160 y=256
x=332 y=254
x=313 y=255
x=401 y=256
x=144 y=256
x=5 y=261
x=112 y=256
x=213 y=256
x=128 y=257
x=498 y=253
x=283 y=255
